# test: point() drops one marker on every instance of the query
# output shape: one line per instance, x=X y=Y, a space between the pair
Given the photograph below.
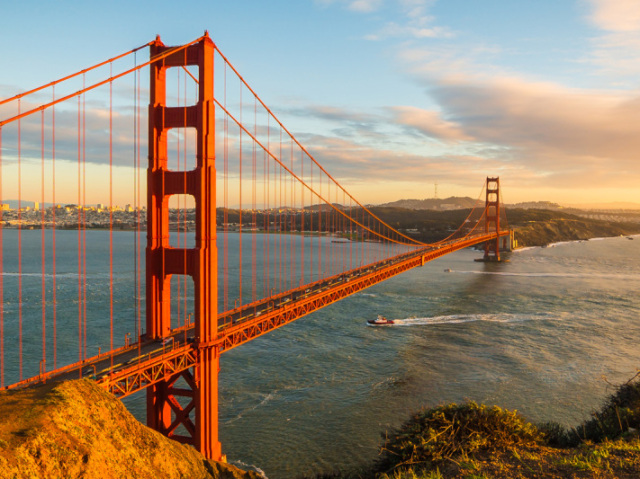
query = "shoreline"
x=562 y=243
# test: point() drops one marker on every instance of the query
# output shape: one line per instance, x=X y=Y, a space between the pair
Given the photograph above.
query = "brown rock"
x=76 y=429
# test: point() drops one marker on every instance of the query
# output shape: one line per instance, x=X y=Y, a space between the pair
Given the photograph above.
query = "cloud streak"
x=616 y=50
x=615 y=15
x=566 y=137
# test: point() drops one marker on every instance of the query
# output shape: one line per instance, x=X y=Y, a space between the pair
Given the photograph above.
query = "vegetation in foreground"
x=76 y=429
x=472 y=441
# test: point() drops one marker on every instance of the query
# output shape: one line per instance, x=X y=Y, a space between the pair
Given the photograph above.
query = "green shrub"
x=434 y=435
x=620 y=412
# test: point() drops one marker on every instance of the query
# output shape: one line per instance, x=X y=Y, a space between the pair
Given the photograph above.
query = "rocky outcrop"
x=75 y=429
x=539 y=233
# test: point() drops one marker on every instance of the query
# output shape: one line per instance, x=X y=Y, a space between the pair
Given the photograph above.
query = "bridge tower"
x=492 y=222
x=165 y=412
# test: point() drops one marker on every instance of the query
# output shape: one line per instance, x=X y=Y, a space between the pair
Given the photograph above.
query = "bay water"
x=546 y=333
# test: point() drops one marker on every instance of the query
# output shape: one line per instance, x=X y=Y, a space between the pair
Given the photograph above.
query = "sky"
x=397 y=98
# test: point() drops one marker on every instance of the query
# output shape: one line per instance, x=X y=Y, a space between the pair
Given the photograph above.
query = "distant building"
x=4 y=207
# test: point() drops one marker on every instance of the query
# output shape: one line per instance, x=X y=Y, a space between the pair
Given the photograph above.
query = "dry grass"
x=472 y=441
x=75 y=429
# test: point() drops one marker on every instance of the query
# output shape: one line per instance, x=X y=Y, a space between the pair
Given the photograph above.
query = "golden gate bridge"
x=245 y=231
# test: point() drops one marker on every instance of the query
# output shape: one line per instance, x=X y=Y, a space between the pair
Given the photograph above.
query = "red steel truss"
x=492 y=222
x=164 y=412
x=163 y=368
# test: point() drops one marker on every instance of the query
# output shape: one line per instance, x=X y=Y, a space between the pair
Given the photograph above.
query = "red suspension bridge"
x=245 y=231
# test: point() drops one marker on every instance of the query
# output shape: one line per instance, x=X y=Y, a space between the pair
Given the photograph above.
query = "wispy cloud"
x=428 y=123
x=615 y=15
x=566 y=137
x=407 y=18
x=413 y=22
x=355 y=163
x=362 y=6
x=409 y=30
x=487 y=121
x=616 y=50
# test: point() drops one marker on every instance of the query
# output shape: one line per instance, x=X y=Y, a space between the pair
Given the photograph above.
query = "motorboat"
x=380 y=321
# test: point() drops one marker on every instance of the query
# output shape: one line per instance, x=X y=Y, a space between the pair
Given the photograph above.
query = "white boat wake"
x=468 y=318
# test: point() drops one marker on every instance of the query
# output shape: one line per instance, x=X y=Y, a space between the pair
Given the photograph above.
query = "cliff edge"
x=75 y=429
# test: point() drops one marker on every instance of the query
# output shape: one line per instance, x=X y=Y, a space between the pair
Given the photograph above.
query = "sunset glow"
x=390 y=96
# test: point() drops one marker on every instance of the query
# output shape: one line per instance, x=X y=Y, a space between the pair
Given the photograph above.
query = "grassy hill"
x=541 y=227
x=77 y=430
x=533 y=227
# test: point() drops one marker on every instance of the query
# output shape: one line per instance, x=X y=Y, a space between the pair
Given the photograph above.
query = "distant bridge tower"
x=492 y=222
x=164 y=412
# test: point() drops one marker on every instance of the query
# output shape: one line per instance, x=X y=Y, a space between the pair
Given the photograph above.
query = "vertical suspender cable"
x=139 y=210
x=350 y=235
x=254 y=180
x=292 y=193
x=111 y=211
x=79 y=233
x=185 y=279
x=313 y=237
x=135 y=203
x=139 y=223
x=225 y=205
x=281 y=274
x=178 y=301
x=320 y=226
x=53 y=232
x=20 y=239
x=83 y=216
x=342 y=228
x=42 y=253
x=1 y=277
x=240 y=208
x=302 y=268
x=266 y=169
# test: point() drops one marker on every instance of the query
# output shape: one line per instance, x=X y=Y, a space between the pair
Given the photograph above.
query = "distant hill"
x=13 y=204
x=537 y=205
x=457 y=202
x=608 y=206
x=324 y=207
x=451 y=203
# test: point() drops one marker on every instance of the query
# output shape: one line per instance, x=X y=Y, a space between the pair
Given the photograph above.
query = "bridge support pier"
x=492 y=221
x=194 y=418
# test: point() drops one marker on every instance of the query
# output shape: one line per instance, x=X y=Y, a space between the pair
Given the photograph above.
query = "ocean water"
x=545 y=333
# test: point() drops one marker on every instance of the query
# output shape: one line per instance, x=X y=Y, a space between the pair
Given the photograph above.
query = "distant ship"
x=380 y=321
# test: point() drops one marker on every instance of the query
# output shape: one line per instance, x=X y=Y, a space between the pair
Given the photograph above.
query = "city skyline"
x=393 y=97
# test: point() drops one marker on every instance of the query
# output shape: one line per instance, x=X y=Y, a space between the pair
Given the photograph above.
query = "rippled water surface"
x=543 y=333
